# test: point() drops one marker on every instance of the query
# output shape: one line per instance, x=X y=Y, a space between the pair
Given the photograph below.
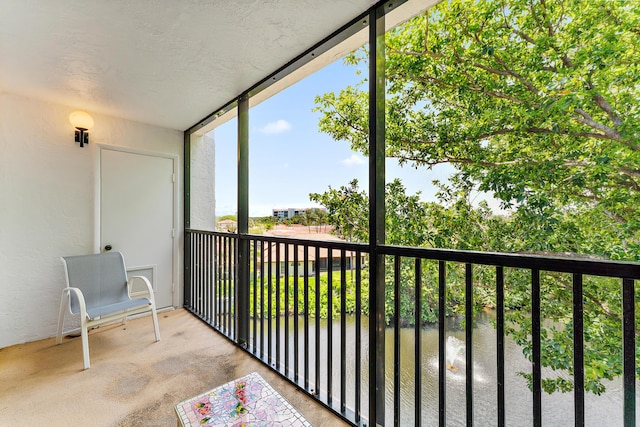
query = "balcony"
x=292 y=351
x=371 y=366
x=41 y=383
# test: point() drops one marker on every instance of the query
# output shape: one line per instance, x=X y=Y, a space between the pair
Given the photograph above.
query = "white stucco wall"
x=48 y=203
x=203 y=202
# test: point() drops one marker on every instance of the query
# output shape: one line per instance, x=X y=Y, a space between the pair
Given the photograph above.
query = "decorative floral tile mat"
x=248 y=401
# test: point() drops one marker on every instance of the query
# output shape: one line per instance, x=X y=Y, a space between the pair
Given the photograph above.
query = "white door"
x=137 y=215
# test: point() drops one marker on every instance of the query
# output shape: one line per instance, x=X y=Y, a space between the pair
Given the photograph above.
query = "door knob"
x=108 y=248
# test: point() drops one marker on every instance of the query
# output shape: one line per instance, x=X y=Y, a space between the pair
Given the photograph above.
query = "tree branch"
x=619 y=23
x=495 y=94
x=584 y=118
x=425 y=44
x=539 y=130
x=606 y=107
x=605 y=309
x=519 y=77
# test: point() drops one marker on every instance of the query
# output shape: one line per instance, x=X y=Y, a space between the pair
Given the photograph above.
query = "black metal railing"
x=307 y=324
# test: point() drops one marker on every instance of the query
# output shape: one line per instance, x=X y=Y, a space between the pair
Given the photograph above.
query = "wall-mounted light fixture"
x=82 y=121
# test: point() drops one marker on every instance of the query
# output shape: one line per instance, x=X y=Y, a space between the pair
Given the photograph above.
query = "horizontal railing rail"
x=307 y=324
x=586 y=266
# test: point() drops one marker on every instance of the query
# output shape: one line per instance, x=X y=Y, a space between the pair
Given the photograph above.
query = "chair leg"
x=155 y=323
x=85 y=345
x=61 y=319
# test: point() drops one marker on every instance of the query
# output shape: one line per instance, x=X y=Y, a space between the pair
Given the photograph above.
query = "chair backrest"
x=102 y=278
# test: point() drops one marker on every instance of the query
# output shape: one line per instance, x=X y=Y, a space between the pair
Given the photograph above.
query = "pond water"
x=557 y=409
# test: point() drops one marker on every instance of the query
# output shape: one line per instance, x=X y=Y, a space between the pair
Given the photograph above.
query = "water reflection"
x=557 y=409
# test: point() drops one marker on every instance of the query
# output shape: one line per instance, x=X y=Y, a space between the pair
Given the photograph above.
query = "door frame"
x=175 y=294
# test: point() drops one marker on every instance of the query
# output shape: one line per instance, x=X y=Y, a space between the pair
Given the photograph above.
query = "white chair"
x=98 y=290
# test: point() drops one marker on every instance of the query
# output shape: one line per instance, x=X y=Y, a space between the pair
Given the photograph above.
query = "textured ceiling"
x=164 y=62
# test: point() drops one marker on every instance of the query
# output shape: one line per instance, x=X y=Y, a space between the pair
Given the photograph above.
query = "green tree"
x=265 y=222
x=538 y=103
x=347 y=210
x=321 y=218
x=534 y=101
x=451 y=223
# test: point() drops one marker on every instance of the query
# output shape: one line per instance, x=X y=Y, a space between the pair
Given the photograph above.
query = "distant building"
x=291 y=212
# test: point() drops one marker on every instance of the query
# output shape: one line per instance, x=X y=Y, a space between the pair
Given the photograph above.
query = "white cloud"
x=278 y=126
x=354 y=160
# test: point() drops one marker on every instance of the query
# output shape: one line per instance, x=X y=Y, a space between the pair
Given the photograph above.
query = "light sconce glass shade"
x=82 y=121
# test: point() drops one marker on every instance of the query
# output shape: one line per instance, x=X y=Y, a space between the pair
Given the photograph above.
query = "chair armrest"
x=81 y=303
x=147 y=284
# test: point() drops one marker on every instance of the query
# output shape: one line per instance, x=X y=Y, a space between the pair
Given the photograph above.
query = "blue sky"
x=288 y=156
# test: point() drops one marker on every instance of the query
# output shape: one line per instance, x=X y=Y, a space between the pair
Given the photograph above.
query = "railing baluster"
x=417 y=357
x=187 y=269
x=214 y=295
x=262 y=243
x=234 y=268
x=296 y=313
x=578 y=352
x=210 y=282
x=201 y=293
x=629 y=351
x=189 y=291
x=330 y=327
x=442 y=348
x=203 y=278
x=358 y=332
x=210 y=265
x=225 y=277
x=199 y=277
x=270 y=305
x=229 y=275
x=535 y=338
x=193 y=290
x=396 y=341
x=212 y=276
x=278 y=312
x=207 y=275
x=196 y=276
x=286 y=310
x=255 y=295
x=203 y=275
x=317 y=334
x=216 y=280
x=224 y=284
x=500 y=343
x=232 y=288
x=469 y=340
x=209 y=286
x=306 y=316
x=343 y=330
